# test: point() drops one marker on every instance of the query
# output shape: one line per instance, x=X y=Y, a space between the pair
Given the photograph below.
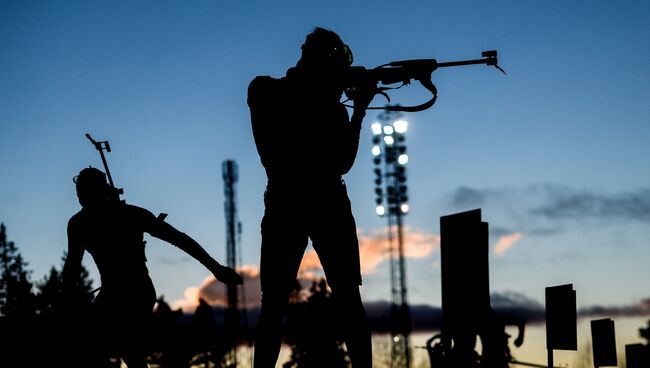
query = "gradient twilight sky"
x=555 y=153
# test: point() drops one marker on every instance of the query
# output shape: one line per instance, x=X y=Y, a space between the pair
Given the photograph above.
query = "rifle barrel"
x=467 y=62
x=91 y=139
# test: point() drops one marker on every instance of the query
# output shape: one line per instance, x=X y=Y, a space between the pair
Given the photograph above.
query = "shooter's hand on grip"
x=363 y=94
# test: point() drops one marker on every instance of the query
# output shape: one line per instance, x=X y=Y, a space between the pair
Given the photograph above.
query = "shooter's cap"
x=324 y=48
x=90 y=177
x=92 y=188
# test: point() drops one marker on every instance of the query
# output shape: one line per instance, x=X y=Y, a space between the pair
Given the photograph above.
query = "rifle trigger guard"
x=381 y=91
x=426 y=83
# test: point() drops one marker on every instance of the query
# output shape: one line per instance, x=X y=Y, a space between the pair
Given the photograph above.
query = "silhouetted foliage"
x=638 y=355
x=645 y=333
x=58 y=310
x=50 y=298
x=312 y=332
x=207 y=337
x=169 y=345
x=17 y=303
x=16 y=297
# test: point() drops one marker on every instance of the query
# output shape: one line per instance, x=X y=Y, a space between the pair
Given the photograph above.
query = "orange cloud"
x=310 y=263
x=214 y=292
x=506 y=242
x=373 y=250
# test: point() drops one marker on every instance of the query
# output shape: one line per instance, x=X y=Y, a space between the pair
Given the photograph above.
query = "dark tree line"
x=41 y=323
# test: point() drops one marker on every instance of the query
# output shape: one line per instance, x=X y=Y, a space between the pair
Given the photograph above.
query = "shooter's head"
x=325 y=53
x=92 y=188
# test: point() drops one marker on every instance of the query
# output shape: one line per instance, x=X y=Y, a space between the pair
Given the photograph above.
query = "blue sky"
x=554 y=153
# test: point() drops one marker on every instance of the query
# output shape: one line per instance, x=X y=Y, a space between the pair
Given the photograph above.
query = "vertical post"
x=388 y=144
x=232 y=316
x=603 y=343
x=465 y=281
x=561 y=332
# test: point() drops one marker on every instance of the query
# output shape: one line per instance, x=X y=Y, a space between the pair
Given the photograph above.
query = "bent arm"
x=350 y=139
x=353 y=129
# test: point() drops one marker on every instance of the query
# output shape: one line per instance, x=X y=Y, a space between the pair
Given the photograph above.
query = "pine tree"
x=80 y=290
x=59 y=312
x=50 y=299
x=16 y=298
x=16 y=304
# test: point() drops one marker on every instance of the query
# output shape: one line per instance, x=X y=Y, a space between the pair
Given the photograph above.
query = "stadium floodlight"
x=400 y=126
x=403 y=159
x=376 y=128
x=376 y=150
x=381 y=210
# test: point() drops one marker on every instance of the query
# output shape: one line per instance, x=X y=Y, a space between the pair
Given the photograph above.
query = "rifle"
x=403 y=72
x=101 y=146
x=104 y=145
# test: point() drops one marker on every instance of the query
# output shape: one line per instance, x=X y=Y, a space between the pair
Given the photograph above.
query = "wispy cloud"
x=640 y=309
x=374 y=250
x=428 y=317
x=471 y=197
x=511 y=304
x=506 y=242
x=544 y=209
x=519 y=305
x=564 y=202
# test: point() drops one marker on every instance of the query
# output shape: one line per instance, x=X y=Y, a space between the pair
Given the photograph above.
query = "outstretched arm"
x=162 y=230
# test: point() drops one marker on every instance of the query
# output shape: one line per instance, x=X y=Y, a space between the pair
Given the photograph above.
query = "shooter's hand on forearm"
x=362 y=97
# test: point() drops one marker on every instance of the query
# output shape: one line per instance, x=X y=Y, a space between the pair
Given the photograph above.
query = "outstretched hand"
x=227 y=275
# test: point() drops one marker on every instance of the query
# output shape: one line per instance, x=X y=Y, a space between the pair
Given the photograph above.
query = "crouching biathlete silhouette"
x=306 y=142
x=112 y=232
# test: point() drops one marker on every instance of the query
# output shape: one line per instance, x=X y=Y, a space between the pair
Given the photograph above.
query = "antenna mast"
x=233 y=317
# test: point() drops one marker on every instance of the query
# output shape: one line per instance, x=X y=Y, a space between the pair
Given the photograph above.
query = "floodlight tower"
x=390 y=159
x=232 y=323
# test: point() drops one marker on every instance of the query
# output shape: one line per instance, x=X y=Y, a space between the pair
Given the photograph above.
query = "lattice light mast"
x=390 y=159
x=233 y=317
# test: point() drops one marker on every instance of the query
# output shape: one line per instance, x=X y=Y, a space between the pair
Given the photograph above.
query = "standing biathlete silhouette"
x=112 y=232
x=306 y=146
